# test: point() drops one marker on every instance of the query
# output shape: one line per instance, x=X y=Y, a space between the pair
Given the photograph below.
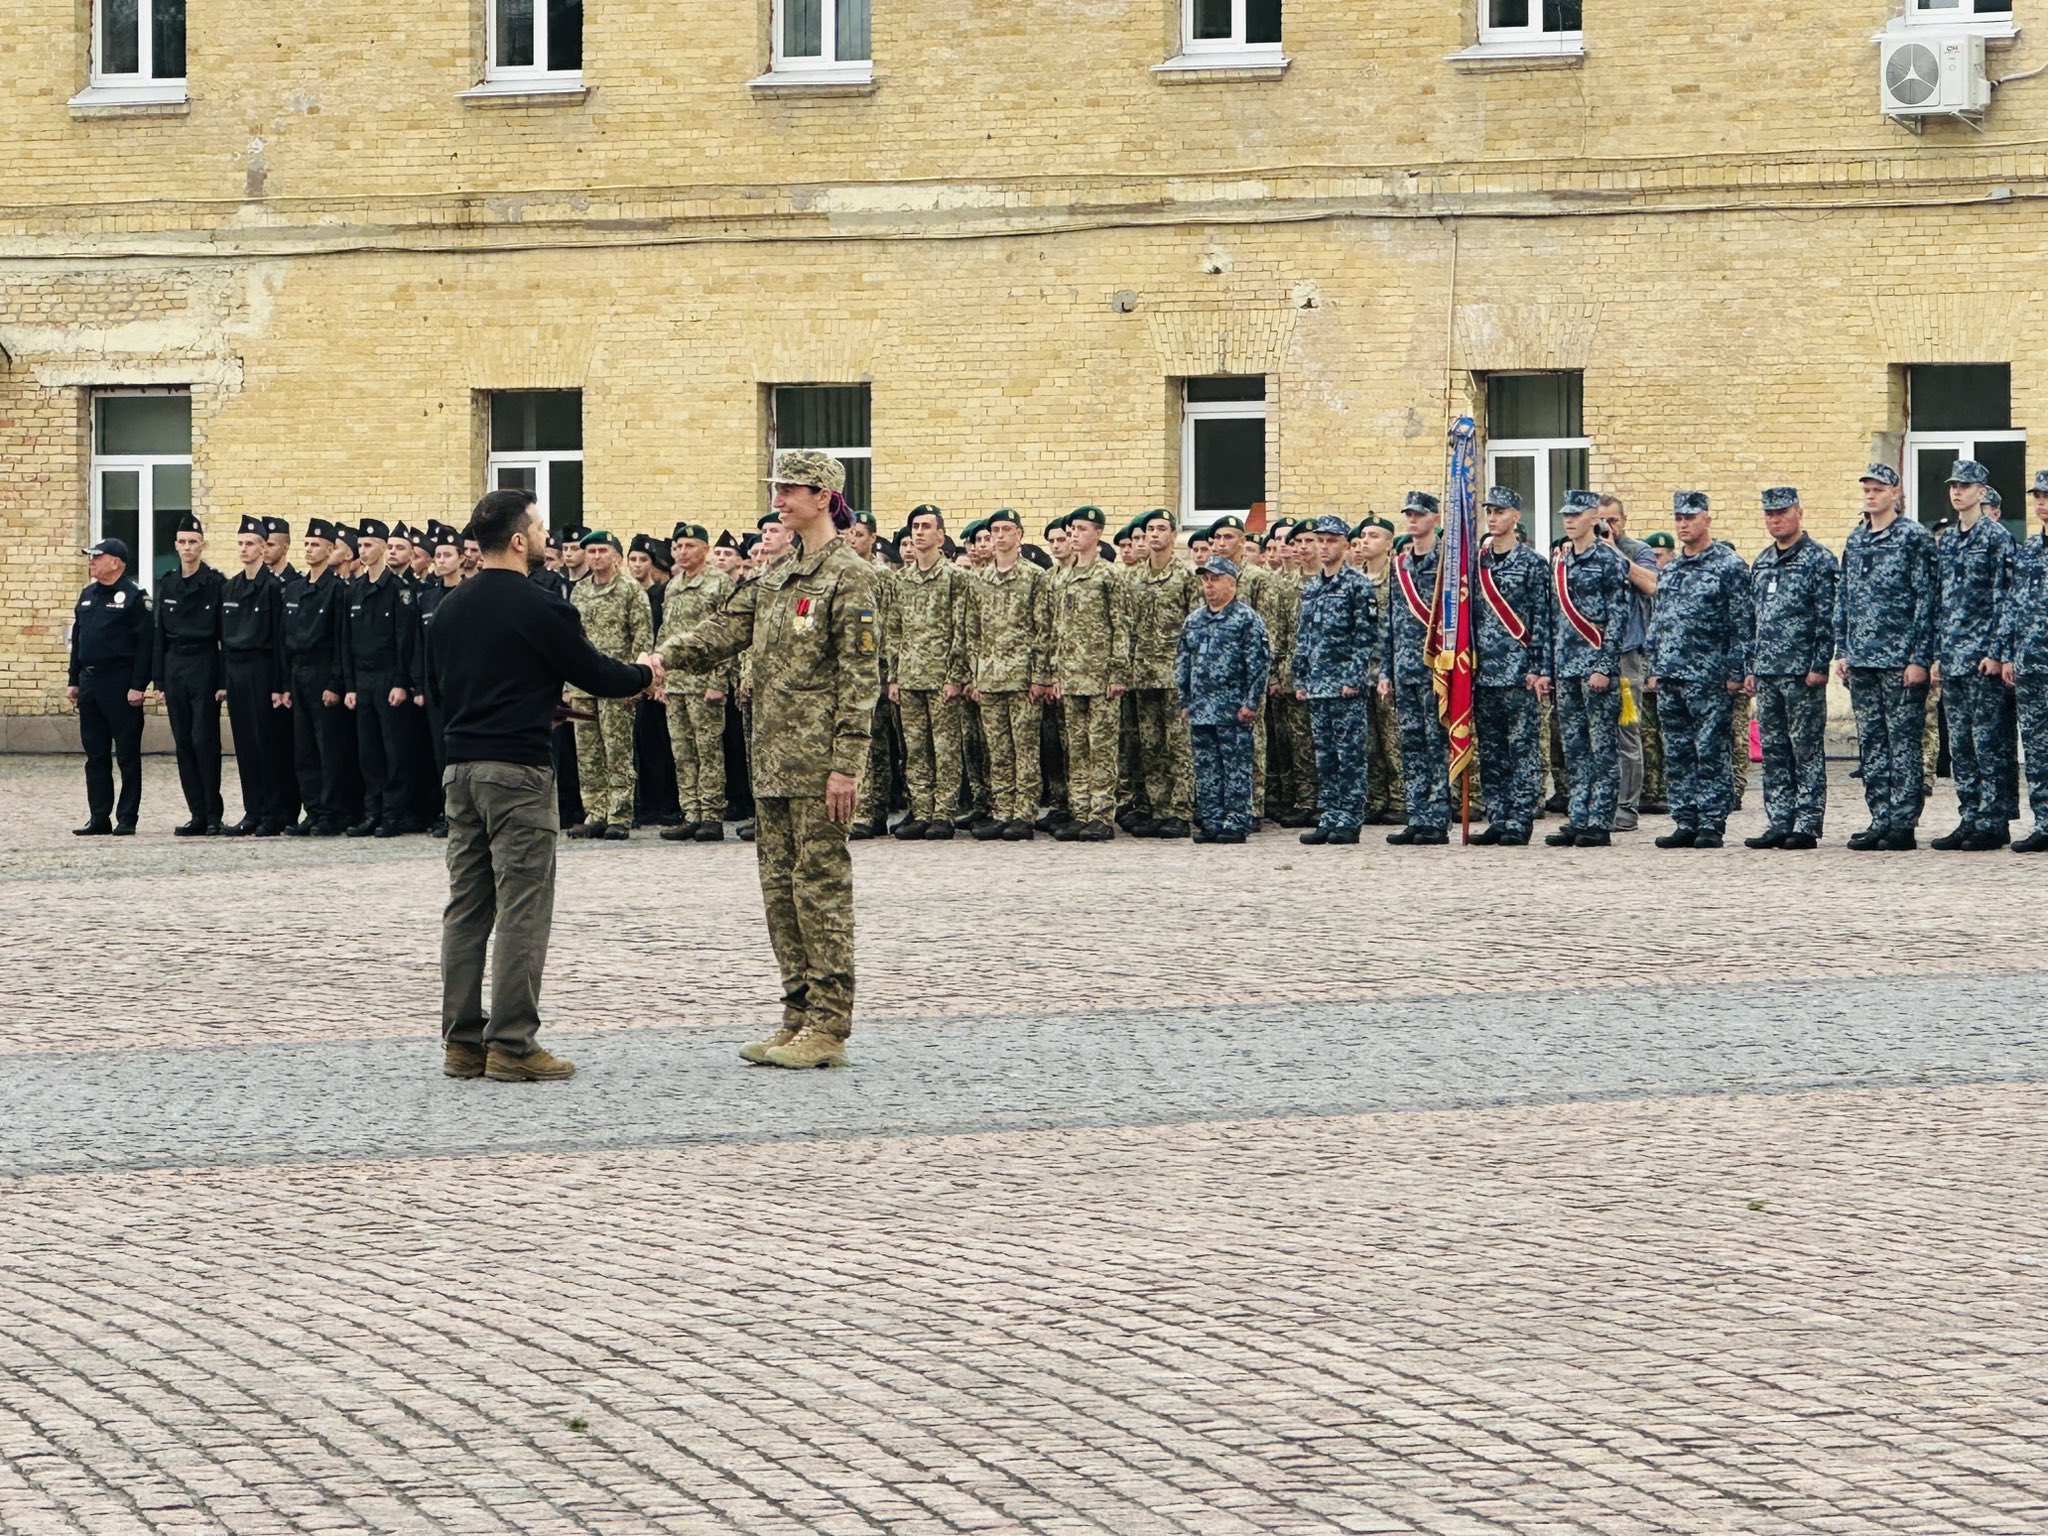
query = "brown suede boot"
x=811 y=1048
x=757 y=1052
x=462 y=1060
x=536 y=1066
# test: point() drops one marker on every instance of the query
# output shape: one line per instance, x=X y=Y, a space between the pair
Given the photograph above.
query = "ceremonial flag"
x=1448 y=646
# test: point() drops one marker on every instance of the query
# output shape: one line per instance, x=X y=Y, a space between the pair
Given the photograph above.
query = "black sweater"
x=503 y=647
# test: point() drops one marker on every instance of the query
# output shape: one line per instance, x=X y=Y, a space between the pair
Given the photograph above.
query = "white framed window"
x=138 y=52
x=1995 y=14
x=537 y=446
x=823 y=41
x=534 y=42
x=141 y=474
x=1536 y=444
x=1962 y=411
x=1222 y=447
x=1245 y=29
x=1512 y=27
x=838 y=418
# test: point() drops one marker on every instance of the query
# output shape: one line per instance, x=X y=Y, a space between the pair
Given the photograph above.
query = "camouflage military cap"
x=1331 y=523
x=1401 y=542
x=1992 y=499
x=1688 y=503
x=1216 y=565
x=1093 y=515
x=1232 y=520
x=2040 y=483
x=766 y=518
x=1500 y=496
x=1421 y=504
x=1372 y=520
x=1580 y=501
x=1883 y=474
x=1661 y=540
x=1004 y=515
x=598 y=536
x=1969 y=472
x=251 y=525
x=690 y=531
x=1781 y=498
x=1157 y=514
x=808 y=466
x=372 y=528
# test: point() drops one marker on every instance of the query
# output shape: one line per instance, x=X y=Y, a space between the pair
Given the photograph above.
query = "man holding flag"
x=1410 y=678
x=1511 y=628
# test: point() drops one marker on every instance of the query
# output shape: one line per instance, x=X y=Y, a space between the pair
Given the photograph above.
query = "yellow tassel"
x=1628 y=704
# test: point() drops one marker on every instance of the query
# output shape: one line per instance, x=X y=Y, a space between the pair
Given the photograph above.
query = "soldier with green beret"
x=619 y=621
x=1009 y=626
x=927 y=646
x=695 y=702
x=1163 y=593
x=1091 y=670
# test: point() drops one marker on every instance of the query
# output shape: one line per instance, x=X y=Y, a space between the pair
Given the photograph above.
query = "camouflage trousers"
x=1509 y=753
x=1092 y=729
x=1425 y=756
x=1384 y=790
x=1738 y=745
x=1339 y=727
x=873 y=807
x=931 y=752
x=1222 y=763
x=1130 y=772
x=1010 y=722
x=1589 y=725
x=1793 y=721
x=973 y=762
x=604 y=762
x=1052 y=756
x=807 y=893
x=1163 y=753
x=1974 y=706
x=696 y=736
x=2032 y=702
x=1930 y=740
x=1695 y=716
x=1553 y=748
x=1890 y=718
x=1656 y=789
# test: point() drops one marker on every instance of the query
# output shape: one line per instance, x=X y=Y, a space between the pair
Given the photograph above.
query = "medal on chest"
x=804 y=618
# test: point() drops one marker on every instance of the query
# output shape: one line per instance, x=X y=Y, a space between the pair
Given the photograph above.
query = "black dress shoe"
x=1770 y=837
x=1799 y=841
x=242 y=828
x=215 y=829
x=268 y=829
x=1563 y=837
x=1487 y=838
x=299 y=829
x=124 y=829
x=1316 y=835
x=1707 y=837
x=1949 y=842
x=1680 y=837
x=1594 y=837
x=360 y=829
x=97 y=827
x=909 y=831
x=328 y=829
x=193 y=828
x=710 y=832
x=1404 y=837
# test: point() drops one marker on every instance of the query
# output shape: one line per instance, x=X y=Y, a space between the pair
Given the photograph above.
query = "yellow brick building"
x=1008 y=237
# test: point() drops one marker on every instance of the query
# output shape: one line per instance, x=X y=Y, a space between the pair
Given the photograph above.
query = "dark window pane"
x=121 y=506
x=517 y=477
x=1570 y=470
x=1262 y=21
x=822 y=416
x=565 y=34
x=167 y=40
x=1212 y=20
x=120 y=37
x=1230 y=465
x=860 y=480
x=565 y=493
x=803 y=29
x=525 y=420
x=1966 y=397
x=1510 y=13
x=1240 y=388
x=1535 y=405
x=515 y=33
x=163 y=521
x=145 y=424
x=2008 y=465
x=1562 y=16
x=1930 y=484
x=1518 y=473
x=853 y=30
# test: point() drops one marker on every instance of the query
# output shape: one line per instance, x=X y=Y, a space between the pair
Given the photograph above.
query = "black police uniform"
x=187 y=667
x=655 y=759
x=323 y=734
x=430 y=598
x=112 y=641
x=252 y=637
x=376 y=658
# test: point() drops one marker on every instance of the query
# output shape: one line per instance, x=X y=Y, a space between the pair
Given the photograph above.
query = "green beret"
x=1661 y=540
x=967 y=534
x=1124 y=534
x=1093 y=515
x=689 y=531
x=1003 y=515
x=1056 y=525
x=1147 y=519
x=598 y=536
x=1402 y=541
x=865 y=519
x=1227 y=520
x=1373 y=520
x=766 y=518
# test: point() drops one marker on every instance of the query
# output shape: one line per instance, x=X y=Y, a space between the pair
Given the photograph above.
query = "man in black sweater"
x=503 y=648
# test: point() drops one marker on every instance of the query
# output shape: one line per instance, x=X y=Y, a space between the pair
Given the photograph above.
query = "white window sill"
x=1524 y=53
x=816 y=80
x=566 y=90
x=1992 y=29
x=1224 y=64
x=160 y=98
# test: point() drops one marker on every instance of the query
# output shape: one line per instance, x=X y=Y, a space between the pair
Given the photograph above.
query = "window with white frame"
x=537 y=446
x=1531 y=23
x=1249 y=27
x=823 y=39
x=1222 y=447
x=534 y=40
x=142 y=474
x=138 y=47
x=1536 y=444
x=837 y=418
x=1963 y=411
x=1957 y=12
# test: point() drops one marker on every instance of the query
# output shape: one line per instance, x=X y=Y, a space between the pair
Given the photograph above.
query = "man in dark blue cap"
x=187 y=668
x=2026 y=661
x=1336 y=645
x=323 y=735
x=1698 y=656
x=1511 y=621
x=1975 y=564
x=1221 y=673
x=252 y=643
x=1792 y=584
x=1408 y=681
x=111 y=635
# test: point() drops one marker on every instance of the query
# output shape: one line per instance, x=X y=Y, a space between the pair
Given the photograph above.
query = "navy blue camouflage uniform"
x=1425 y=747
x=1590 y=722
x=2026 y=650
x=1506 y=710
x=1226 y=657
x=1699 y=643
x=1794 y=594
x=1335 y=643
x=1884 y=623
x=1976 y=568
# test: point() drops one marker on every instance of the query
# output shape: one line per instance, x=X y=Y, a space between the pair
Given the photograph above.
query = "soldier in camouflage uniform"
x=1975 y=567
x=1656 y=789
x=1009 y=647
x=1292 y=797
x=1792 y=584
x=980 y=817
x=1386 y=797
x=1425 y=750
x=1091 y=669
x=1221 y=674
x=1511 y=623
x=1589 y=583
x=1052 y=717
x=1163 y=593
x=815 y=681
x=2025 y=655
x=1336 y=657
x=696 y=703
x=1260 y=590
x=927 y=649
x=618 y=621
x=1698 y=652
x=877 y=782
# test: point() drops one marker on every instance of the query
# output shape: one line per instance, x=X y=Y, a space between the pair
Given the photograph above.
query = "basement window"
x=138 y=54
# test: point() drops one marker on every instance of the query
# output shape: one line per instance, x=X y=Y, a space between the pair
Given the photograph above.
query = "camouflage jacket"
x=691 y=600
x=1522 y=578
x=1794 y=593
x=1885 y=602
x=1222 y=664
x=1401 y=653
x=1274 y=601
x=1336 y=643
x=617 y=619
x=1705 y=623
x=2026 y=610
x=1091 y=630
x=811 y=623
x=1598 y=584
x=927 y=634
x=1976 y=568
x=1009 y=629
x=1161 y=601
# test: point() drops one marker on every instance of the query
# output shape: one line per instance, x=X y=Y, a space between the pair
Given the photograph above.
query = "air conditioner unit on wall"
x=1924 y=73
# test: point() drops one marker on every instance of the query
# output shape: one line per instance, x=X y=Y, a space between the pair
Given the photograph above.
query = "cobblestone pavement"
x=1270 y=1189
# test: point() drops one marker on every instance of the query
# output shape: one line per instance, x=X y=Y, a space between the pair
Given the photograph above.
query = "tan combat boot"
x=536 y=1066
x=757 y=1052
x=811 y=1048
x=462 y=1060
